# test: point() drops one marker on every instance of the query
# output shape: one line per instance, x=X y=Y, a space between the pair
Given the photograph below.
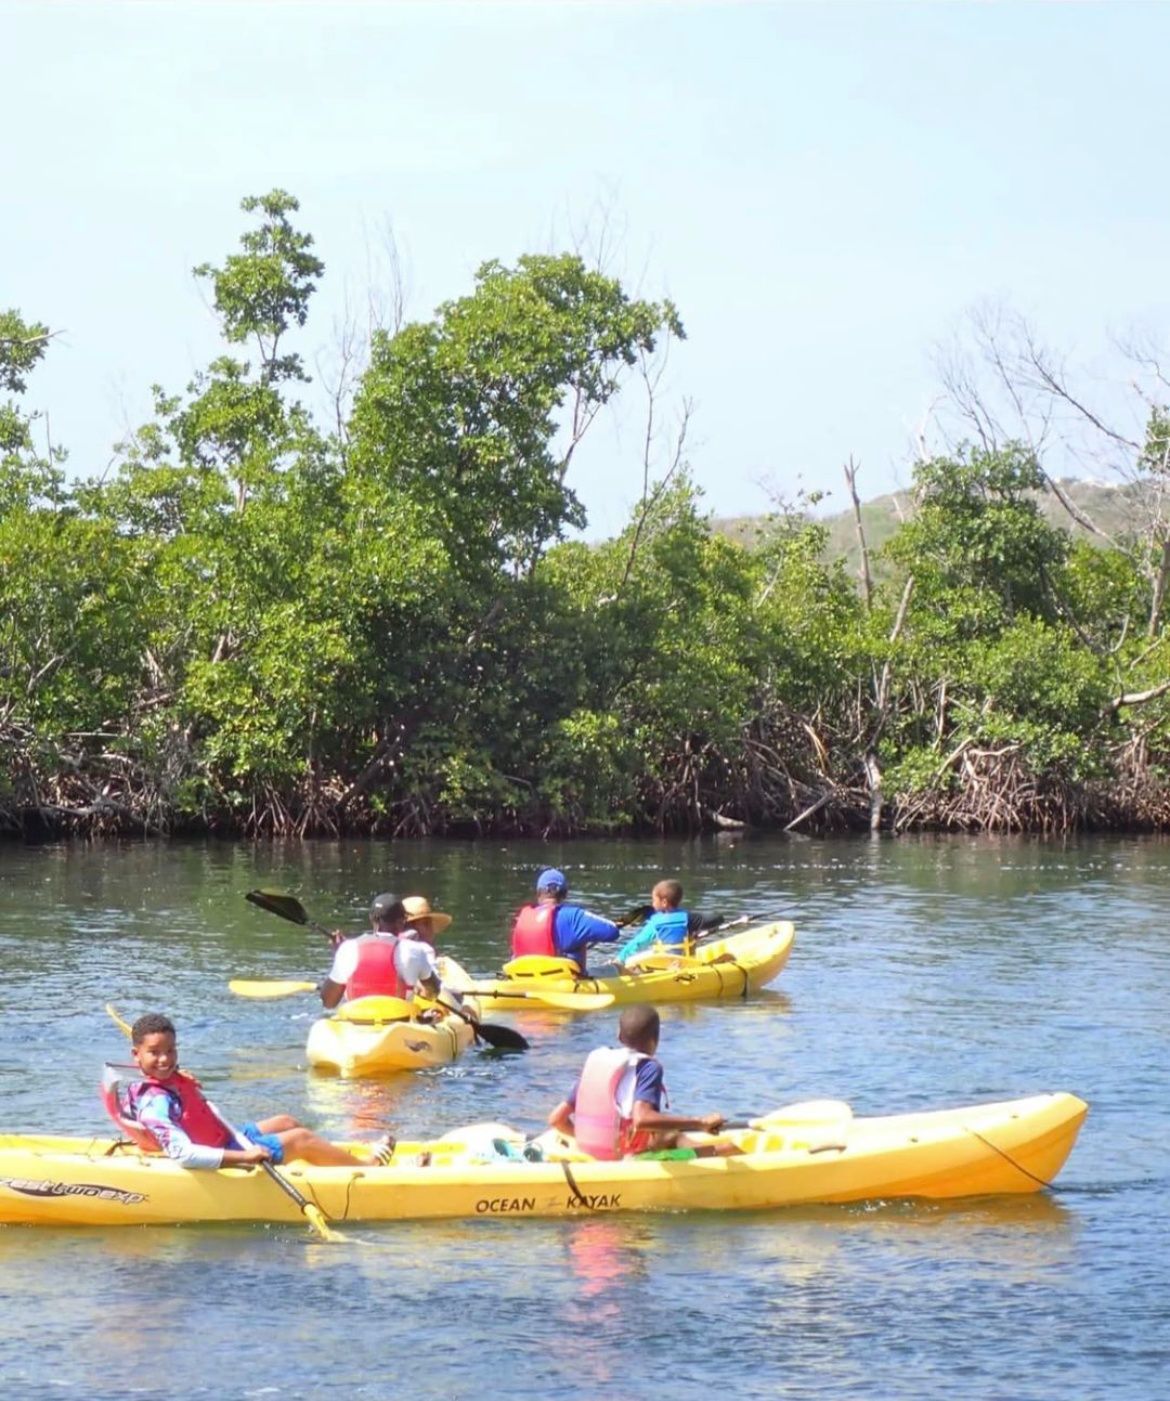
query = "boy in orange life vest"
x=615 y=1108
x=168 y=1106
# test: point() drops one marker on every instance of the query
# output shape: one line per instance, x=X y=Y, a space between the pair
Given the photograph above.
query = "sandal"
x=383 y=1150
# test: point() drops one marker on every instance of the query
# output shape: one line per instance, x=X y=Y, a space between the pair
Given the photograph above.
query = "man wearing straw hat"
x=425 y=922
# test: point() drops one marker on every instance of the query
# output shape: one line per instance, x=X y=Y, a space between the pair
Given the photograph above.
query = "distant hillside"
x=1115 y=509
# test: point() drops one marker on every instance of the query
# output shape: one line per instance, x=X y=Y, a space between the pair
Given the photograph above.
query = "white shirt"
x=413 y=959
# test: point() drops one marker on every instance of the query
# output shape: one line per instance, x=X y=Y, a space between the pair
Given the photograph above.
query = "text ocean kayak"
x=360 y=1040
x=1011 y=1147
x=730 y=967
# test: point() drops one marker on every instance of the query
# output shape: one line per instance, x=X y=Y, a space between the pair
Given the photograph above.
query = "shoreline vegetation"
x=257 y=624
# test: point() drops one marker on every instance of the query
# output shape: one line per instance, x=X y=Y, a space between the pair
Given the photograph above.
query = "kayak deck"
x=1013 y=1147
x=352 y=1045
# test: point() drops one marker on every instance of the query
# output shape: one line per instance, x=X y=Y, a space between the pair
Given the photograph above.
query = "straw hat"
x=418 y=908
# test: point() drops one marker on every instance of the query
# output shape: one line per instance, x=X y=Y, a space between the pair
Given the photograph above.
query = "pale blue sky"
x=822 y=188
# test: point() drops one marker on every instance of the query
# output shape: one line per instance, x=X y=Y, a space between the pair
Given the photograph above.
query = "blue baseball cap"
x=552 y=879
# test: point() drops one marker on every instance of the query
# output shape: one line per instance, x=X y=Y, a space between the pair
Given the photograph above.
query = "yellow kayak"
x=377 y=1034
x=1012 y=1147
x=730 y=967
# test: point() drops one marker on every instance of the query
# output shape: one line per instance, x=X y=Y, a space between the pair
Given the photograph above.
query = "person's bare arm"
x=645 y=1116
x=331 y=993
x=562 y=1117
x=238 y=1157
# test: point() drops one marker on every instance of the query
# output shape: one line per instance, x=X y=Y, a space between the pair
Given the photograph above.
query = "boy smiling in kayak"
x=615 y=1109
x=169 y=1107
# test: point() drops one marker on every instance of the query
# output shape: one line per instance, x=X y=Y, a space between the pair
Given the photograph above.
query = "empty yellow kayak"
x=379 y=1034
x=730 y=967
x=1010 y=1147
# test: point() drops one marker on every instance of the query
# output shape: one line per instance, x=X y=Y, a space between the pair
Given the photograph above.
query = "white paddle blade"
x=809 y=1111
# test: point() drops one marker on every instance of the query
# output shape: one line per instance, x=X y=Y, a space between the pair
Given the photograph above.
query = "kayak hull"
x=722 y=968
x=1012 y=1147
x=352 y=1047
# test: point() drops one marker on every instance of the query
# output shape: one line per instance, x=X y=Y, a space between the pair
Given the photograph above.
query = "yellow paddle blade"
x=316 y=1218
x=268 y=987
x=374 y=1009
x=571 y=1001
x=538 y=965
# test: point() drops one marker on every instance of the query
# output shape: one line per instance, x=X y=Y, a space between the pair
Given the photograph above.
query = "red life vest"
x=599 y=1126
x=197 y=1119
x=533 y=931
x=375 y=973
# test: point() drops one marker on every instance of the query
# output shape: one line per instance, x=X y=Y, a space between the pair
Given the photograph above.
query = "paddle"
x=309 y=1210
x=286 y=907
x=456 y=977
x=561 y=1001
x=502 y=1038
x=808 y=1111
x=268 y=987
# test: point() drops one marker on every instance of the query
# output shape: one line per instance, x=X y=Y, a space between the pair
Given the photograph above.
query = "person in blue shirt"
x=669 y=925
x=555 y=929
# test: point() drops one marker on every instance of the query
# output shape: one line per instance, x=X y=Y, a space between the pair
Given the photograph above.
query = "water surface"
x=927 y=973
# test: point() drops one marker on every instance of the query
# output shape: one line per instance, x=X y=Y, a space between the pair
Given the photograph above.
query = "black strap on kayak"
x=578 y=1196
x=1007 y=1157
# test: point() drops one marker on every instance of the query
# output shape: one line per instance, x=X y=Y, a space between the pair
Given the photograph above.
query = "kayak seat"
x=373 y=1009
x=130 y=1129
x=538 y=965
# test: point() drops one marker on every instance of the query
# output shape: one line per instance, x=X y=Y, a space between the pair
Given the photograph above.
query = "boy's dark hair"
x=147 y=1025
x=639 y=1026
x=671 y=891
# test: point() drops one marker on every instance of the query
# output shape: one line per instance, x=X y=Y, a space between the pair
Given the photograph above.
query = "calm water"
x=926 y=973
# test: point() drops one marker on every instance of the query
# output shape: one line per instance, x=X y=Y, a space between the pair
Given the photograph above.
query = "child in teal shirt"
x=668 y=926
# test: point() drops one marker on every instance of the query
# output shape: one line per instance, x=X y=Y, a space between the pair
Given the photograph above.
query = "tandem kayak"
x=373 y=1034
x=729 y=967
x=1015 y=1146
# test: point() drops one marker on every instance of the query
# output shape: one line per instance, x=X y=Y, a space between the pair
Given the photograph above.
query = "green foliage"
x=461 y=413
x=252 y=627
x=264 y=290
x=979 y=548
x=27 y=478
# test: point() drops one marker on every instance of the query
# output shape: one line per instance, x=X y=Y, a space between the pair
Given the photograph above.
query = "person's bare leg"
x=278 y=1123
x=304 y=1144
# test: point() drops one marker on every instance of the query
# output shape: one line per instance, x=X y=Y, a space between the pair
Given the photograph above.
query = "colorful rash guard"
x=160 y=1111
